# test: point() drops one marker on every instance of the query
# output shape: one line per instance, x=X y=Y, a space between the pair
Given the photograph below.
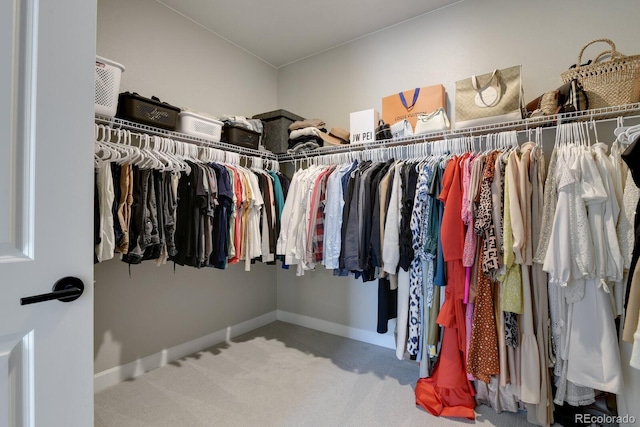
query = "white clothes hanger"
x=591 y=125
x=131 y=151
x=171 y=150
x=107 y=152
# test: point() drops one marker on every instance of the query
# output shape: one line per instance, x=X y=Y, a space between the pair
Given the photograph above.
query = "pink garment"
x=314 y=201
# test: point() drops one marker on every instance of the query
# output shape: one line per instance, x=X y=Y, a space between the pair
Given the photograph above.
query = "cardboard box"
x=363 y=126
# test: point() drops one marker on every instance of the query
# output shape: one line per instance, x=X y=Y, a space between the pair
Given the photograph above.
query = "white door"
x=47 y=50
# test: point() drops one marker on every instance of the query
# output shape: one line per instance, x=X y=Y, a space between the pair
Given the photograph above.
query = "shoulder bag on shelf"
x=567 y=98
x=489 y=98
x=383 y=131
x=434 y=122
x=401 y=129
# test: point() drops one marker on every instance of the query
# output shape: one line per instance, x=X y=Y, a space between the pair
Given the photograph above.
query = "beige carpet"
x=279 y=375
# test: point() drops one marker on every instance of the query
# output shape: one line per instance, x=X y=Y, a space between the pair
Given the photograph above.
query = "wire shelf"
x=138 y=127
x=519 y=125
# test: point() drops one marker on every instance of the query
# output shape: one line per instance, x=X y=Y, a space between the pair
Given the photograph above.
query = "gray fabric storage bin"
x=275 y=135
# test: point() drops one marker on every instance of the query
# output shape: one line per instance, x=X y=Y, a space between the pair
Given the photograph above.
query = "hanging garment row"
x=165 y=200
x=452 y=238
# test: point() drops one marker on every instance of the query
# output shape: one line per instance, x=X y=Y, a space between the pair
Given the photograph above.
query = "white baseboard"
x=383 y=340
x=113 y=376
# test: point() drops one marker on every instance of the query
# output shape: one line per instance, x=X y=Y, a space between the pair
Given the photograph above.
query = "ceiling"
x=284 y=31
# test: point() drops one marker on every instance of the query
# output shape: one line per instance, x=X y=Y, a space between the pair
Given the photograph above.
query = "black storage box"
x=242 y=137
x=276 y=129
x=150 y=112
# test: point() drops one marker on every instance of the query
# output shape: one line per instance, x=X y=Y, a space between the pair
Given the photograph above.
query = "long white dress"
x=593 y=354
x=566 y=267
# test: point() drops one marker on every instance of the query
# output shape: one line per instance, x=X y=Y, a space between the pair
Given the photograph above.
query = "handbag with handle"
x=489 y=98
x=615 y=81
x=434 y=122
x=383 y=131
x=401 y=129
x=567 y=98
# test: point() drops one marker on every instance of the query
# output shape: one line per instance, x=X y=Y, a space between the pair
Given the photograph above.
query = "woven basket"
x=608 y=83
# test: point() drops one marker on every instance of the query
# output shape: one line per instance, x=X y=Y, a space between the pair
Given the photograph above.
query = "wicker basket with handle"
x=611 y=82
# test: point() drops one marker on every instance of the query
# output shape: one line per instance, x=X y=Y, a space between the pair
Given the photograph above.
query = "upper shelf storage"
x=519 y=125
x=141 y=128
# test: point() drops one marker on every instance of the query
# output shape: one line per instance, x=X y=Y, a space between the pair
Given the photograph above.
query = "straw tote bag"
x=607 y=83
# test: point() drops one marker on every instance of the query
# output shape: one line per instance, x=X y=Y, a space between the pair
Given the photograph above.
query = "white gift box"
x=363 y=126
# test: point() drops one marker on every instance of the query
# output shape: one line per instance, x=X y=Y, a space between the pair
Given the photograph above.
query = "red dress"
x=448 y=391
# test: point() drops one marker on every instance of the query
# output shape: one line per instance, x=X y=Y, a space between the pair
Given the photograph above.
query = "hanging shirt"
x=106 y=242
x=391 y=241
x=333 y=216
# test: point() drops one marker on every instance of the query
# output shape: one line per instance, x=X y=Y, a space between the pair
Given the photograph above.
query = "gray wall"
x=470 y=37
x=450 y=44
x=170 y=57
x=157 y=308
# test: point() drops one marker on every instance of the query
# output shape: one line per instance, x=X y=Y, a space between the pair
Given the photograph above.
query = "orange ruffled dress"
x=448 y=392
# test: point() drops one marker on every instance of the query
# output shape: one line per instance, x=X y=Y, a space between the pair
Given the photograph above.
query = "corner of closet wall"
x=145 y=312
x=447 y=45
x=176 y=59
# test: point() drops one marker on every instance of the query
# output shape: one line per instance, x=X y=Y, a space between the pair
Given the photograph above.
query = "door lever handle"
x=66 y=289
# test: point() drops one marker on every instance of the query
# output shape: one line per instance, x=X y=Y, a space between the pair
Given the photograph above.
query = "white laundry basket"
x=108 y=74
x=199 y=126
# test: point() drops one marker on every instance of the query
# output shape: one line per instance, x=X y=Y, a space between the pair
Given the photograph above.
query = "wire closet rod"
x=125 y=124
x=545 y=122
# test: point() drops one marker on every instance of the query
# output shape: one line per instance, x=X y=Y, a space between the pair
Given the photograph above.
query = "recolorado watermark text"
x=604 y=419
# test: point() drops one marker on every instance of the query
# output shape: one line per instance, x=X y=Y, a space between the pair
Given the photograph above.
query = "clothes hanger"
x=592 y=125
x=141 y=155
x=158 y=149
x=513 y=136
x=132 y=151
x=581 y=135
x=109 y=152
x=98 y=149
x=169 y=146
x=176 y=149
x=620 y=131
x=631 y=133
x=115 y=147
x=122 y=145
x=106 y=153
x=486 y=143
x=149 y=160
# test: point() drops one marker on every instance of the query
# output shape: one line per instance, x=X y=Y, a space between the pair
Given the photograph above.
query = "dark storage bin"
x=276 y=129
x=150 y=112
x=242 y=137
